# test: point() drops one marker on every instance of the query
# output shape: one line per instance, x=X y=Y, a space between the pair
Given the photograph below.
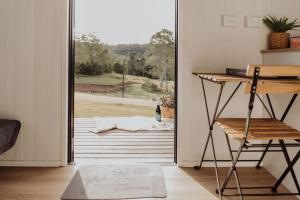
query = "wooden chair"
x=265 y=80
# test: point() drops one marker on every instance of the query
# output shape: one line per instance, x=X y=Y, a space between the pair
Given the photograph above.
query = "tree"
x=149 y=72
x=118 y=68
x=127 y=49
x=91 y=53
x=131 y=64
x=162 y=53
x=136 y=65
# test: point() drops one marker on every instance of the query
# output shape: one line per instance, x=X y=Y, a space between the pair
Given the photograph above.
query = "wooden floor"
x=182 y=184
x=120 y=146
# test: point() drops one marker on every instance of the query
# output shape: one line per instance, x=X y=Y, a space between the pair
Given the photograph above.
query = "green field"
x=89 y=108
x=100 y=109
x=133 y=85
x=113 y=79
x=106 y=79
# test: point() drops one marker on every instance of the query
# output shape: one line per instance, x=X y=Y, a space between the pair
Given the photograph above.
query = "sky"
x=124 y=21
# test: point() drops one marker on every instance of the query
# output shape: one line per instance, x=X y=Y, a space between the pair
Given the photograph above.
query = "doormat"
x=116 y=182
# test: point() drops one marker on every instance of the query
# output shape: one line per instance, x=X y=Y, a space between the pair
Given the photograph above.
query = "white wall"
x=280 y=102
x=33 y=78
x=206 y=46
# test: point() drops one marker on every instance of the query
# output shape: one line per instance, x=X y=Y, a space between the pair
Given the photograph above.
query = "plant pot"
x=167 y=112
x=279 y=40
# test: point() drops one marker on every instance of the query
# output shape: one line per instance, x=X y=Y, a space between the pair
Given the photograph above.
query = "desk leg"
x=289 y=169
x=211 y=123
x=204 y=152
x=258 y=166
x=285 y=173
x=218 y=115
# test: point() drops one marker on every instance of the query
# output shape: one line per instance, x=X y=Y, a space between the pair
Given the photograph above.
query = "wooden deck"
x=120 y=146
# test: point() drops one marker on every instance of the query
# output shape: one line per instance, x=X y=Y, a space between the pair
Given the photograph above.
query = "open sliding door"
x=128 y=77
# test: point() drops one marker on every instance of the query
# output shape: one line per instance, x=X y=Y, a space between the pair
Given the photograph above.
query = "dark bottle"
x=158 y=113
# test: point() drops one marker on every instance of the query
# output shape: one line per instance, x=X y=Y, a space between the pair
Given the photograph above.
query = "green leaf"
x=280 y=24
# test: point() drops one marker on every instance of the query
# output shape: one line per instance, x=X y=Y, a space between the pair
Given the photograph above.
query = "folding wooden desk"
x=292 y=85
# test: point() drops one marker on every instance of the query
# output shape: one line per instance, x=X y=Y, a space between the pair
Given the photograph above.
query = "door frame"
x=71 y=84
x=71 y=90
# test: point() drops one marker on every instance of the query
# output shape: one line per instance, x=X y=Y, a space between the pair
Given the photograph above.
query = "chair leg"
x=215 y=165
x=232 y=168
x=235 y=171
x=291 y=169
x=258 y=166
x=285 y=173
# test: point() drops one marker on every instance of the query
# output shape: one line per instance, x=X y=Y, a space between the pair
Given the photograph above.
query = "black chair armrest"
x=9 y=131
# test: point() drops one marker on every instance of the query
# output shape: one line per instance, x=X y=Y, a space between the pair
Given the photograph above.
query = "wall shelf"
x=280 y=50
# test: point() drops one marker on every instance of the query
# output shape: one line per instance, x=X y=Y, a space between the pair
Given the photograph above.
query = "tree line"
x=155 y=60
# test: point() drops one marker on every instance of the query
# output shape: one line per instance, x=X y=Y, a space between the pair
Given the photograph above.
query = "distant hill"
x=126 y=49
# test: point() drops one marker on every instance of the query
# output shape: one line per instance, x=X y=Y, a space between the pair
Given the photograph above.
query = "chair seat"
x=260 y=129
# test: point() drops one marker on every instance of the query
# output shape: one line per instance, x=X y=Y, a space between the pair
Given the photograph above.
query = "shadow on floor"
x=248 y=177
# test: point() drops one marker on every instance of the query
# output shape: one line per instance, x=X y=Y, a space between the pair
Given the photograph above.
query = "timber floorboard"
x=181 y=183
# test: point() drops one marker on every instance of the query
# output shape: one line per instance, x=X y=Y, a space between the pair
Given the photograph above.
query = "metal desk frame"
x=211 y=122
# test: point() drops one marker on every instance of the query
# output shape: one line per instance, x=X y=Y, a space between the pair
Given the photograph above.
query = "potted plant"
x=279 y=38
x=167 y=105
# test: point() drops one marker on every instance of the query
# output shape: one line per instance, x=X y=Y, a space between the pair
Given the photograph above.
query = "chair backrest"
x=275 y=70
x=285 y=85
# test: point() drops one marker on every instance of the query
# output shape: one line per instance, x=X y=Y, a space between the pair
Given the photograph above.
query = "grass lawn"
x=106 y=79
x=114 y=79
x=84 y=108
x=135 y=91
x=87 y=108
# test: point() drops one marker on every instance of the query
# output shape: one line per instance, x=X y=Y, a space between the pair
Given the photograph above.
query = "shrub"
x=154 y=88
x=89 y=69
x=148 y=86
x=118 y=68
x=107 y=68
x=149 y=72
x=168 y=99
